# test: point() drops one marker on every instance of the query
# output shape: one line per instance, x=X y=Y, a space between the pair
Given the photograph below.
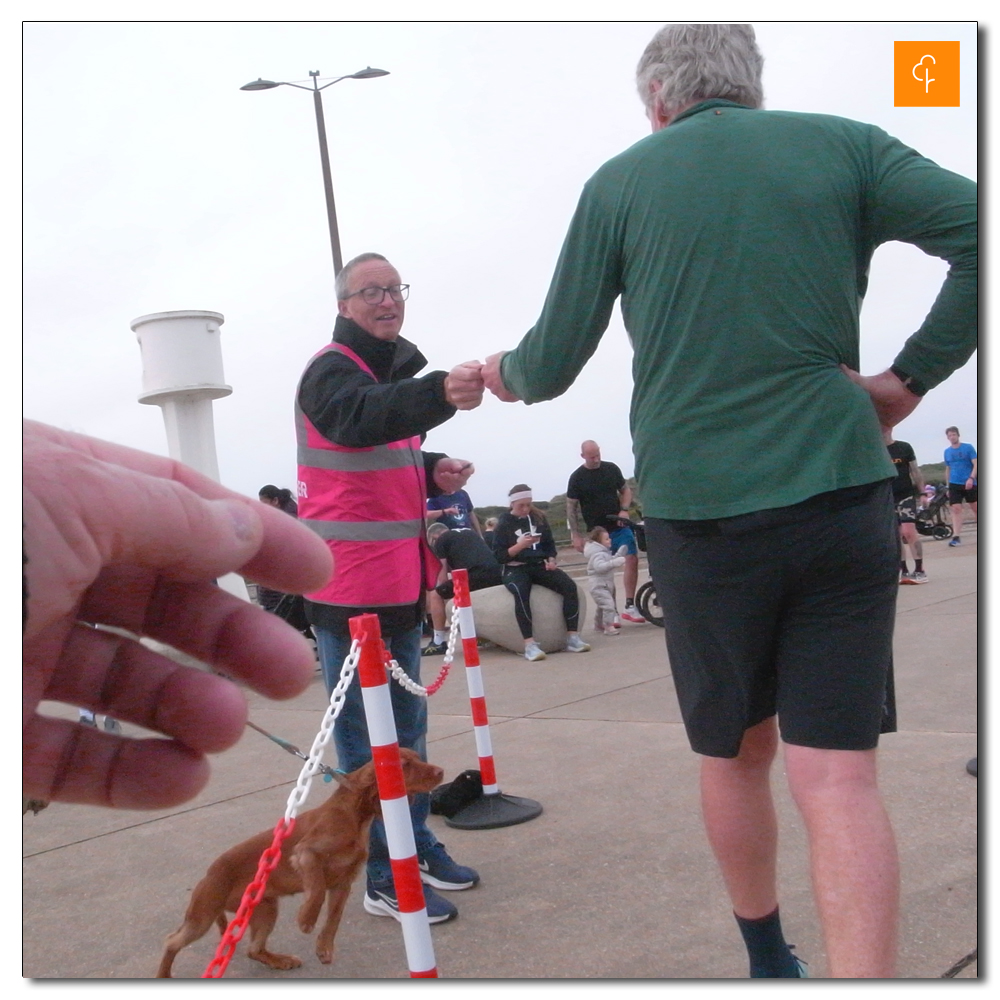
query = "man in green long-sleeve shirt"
x=739 y=241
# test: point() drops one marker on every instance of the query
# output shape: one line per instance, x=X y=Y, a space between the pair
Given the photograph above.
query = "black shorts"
x=479 y=577
x=906 y=509
x=957 y=493
x=787 y=611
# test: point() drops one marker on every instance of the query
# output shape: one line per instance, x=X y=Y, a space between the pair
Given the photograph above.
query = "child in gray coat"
x=601 y=566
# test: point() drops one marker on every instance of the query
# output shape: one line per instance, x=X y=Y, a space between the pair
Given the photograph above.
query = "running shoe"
x=631 y=614
x=919 y=576
x=955 y=541
x=380 y=901
x=533 y=652
x=802 y=965
x=439 y=870
x=574 y=644
x=906 y=578
x=435 y=649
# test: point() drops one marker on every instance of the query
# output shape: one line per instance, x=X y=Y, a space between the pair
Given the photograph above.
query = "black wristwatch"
x=913 y=384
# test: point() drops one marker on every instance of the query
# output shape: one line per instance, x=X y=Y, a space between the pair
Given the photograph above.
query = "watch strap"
x=913 y=384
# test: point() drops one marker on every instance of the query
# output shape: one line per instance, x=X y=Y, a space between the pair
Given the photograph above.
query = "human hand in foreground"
x=494 y=381
x=577 y=541
x=551 y=564
x=451 y=474
x=119 y=537
x=893 y=402
x=463 y=385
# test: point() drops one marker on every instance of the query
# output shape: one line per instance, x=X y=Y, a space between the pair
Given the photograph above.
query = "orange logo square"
x=926 y=75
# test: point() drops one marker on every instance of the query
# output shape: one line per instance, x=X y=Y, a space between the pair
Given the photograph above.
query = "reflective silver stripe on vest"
x=366 y=531
x=380 y=457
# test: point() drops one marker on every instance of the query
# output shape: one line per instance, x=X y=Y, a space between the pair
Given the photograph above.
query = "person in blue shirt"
x=453 y=510
x=963 y=481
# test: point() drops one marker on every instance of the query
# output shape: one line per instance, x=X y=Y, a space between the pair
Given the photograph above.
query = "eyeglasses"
x=374 y=294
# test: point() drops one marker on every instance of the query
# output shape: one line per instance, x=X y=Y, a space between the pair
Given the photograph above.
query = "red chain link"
x=431 y=688
x=251 y=897
x=441 y=678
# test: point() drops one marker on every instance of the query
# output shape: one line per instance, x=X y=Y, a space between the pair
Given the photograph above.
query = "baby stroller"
x=645 y=595
x=935 y=519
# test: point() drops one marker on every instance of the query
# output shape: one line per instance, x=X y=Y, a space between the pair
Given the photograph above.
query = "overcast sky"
x=153 y=183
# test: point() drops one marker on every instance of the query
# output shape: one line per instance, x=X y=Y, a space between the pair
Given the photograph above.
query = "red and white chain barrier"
x=254 y=892
x=372 y=664
x=368 y=656
x=474 y=678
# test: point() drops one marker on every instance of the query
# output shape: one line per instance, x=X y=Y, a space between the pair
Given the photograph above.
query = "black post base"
x=491 y=811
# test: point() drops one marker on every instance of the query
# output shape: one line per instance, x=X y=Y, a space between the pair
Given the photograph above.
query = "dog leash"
x=329 y=773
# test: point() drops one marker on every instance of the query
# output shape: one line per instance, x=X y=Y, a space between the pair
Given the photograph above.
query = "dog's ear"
x=366 y=786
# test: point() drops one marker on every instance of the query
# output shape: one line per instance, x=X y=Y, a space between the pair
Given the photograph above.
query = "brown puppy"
x=322 y=857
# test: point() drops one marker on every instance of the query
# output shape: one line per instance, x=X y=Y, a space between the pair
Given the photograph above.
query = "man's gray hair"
x=343 y=279
x=695 y=62
x=434 y=529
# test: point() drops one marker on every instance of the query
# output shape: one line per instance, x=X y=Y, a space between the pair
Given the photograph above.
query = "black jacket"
x=510 y=528
x=350 y=408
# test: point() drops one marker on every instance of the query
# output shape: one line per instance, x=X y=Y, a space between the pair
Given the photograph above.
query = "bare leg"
x=435 y=604
x=855 y=869
x=956 y=518
x=740 y=820
x=630 y=574
x=908 y=535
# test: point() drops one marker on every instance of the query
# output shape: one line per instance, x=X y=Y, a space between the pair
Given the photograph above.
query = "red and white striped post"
x=395 y=802
x=494 y=809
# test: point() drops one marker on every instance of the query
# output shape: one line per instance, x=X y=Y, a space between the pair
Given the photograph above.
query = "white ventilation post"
x=182 y=373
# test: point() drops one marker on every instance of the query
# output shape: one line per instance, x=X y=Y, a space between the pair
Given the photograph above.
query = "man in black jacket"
x=362 y=393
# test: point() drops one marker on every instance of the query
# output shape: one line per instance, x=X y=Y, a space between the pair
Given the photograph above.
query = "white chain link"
x=407 y=682
x=309 y=770
x=312 y=766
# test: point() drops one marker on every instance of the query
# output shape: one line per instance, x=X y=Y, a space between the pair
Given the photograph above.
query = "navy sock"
x=770 y=956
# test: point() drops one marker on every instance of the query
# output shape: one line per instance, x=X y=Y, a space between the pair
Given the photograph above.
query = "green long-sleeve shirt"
x=739 y=241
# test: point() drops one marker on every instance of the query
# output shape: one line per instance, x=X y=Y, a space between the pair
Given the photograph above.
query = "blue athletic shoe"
x=380 y=901
x=438 y=869
x=955 y=541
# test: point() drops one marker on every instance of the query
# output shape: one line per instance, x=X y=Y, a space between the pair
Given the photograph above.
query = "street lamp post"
x=324 y=154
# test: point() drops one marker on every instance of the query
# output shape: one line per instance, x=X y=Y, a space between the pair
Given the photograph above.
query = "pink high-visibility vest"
x=369 y=506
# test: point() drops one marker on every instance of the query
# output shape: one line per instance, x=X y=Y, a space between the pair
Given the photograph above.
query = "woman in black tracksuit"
x=526 y=550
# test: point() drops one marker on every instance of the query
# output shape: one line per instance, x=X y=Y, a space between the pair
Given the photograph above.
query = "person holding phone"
x=525 y=548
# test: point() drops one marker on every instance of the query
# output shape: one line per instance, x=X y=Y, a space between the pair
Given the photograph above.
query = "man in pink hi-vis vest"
x=361 y=415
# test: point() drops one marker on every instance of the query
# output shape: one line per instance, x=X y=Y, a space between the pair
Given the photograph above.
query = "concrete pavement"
x=613 y=881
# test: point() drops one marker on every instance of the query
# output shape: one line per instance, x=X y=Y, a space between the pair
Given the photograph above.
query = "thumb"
x=854 y=376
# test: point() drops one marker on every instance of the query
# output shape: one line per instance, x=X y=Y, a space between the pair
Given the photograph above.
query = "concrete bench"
x=493 y=610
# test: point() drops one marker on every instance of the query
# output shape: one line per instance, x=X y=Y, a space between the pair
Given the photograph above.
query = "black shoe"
x=435 y=649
